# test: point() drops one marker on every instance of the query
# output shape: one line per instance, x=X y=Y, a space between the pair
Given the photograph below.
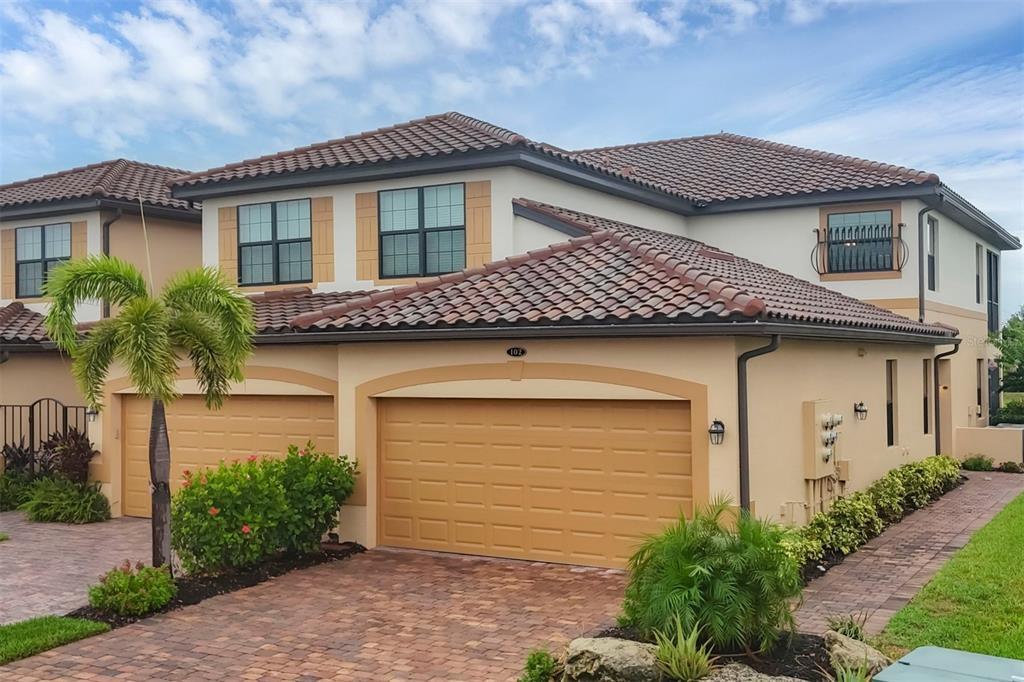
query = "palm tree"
x=198 y=313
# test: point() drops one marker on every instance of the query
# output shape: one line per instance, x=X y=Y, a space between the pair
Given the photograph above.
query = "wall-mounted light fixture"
x=717 y=432
x=91 y=414
x=860 y=410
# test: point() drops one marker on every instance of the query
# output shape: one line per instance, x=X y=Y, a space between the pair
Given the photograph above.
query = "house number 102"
x=516 y=352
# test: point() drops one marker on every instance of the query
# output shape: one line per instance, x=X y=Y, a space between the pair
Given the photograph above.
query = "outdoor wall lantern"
x=717 y=432
x=91 y=414
x=860 y=410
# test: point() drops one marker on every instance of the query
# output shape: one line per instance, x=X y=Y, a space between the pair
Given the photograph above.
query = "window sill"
x=259 y=288
x=853 y=276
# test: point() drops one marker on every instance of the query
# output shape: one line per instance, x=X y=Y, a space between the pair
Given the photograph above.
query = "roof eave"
x=515 y=155
x=753 y=328
x=44 y=209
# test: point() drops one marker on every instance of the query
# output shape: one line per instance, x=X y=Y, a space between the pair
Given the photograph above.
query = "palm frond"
x=144 y=345
x=206 y=291
x=102 y=278
x=201 y=338
x=92 y=358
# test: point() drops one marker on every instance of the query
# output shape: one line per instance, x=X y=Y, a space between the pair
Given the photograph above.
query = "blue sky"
x=932 y=85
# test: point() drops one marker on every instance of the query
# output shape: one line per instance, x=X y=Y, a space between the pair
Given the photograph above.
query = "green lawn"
x=4 y=536
x=30 y=637
x=976 y=601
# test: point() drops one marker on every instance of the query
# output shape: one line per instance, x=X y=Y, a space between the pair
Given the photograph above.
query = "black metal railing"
x=859 y=248
x=33 y=424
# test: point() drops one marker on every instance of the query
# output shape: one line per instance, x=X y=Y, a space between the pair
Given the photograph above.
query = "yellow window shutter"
x=79 y=239
x=367 y=263
x=322 y=212
x=7 y=265
x=478 y=223
x=227 y=241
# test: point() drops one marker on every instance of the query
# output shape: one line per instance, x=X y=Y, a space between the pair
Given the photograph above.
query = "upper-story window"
x=38 y=250
x=422 y=230
x=860 y=241
x=993 y=290
x=274 y=243
x=933 y=253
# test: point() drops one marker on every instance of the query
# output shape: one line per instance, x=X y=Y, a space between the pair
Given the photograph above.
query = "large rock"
x=737 y=672
x=606 y=659
x=846 y=652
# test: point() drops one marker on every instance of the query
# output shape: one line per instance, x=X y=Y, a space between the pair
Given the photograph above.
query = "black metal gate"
x=33 y=424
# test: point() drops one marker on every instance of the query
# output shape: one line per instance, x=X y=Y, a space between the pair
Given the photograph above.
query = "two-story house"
x=75 y=213
x=547 y=354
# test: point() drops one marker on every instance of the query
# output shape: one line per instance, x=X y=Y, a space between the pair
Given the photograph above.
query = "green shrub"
x=1011 y=468
x=19 y=459
x=14 y=488
x=228 y=517
x=889 y=497
x=67 y=455
x=59 y=500
x=541 y=666
x=848 y=524
x=851 y=625
x=736 y=583
x=125 y=591
x=926 y=480
x=315 y=485
x=858 y=674
x=680 y=656
x=802 y=546
x=1010 y=413
x=977 y=463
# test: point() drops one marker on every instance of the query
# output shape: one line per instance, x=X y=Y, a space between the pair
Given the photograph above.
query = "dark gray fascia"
x=64 y=206
x=945 y=200
x=788 y=330
x=547 y=220
x=511 y=156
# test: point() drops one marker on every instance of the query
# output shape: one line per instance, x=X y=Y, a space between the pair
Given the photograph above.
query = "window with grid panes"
x=275 y=243
x=422 y=230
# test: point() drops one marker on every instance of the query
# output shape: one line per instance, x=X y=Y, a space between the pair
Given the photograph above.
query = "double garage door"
x=245 y=425
x=573 y=481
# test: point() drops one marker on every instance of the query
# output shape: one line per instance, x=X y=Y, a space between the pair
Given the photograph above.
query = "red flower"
x=245 y=529
x=253 y=458
x=214 y=511
x=303 y=452
x=186 y=473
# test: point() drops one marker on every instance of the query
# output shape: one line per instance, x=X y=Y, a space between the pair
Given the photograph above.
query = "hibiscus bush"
x=133 y=591
x=240 y=513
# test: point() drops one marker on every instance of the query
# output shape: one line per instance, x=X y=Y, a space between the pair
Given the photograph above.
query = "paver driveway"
x=45 y=568
x=382 y=615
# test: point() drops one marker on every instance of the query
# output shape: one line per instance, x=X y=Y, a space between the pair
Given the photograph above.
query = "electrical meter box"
x=821 y=438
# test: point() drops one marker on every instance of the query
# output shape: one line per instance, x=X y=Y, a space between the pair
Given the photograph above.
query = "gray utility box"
x=935 y=664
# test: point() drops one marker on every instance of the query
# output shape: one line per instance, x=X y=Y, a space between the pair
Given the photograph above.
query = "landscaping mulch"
x=192 y=590
x=802 y=656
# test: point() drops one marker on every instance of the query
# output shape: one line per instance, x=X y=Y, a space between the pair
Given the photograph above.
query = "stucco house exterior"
x=73 y=214
x=546 y=354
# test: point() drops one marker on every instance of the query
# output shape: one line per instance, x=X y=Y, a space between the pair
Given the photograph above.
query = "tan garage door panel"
x=574 y=481
x=246 y=425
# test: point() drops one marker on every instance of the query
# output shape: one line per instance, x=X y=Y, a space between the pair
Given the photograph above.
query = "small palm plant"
x=198 y=313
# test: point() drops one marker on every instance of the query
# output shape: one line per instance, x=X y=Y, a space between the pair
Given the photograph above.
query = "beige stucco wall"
x=507 y=183
x=174 y=245
x=26 y=377
x=1001 y=444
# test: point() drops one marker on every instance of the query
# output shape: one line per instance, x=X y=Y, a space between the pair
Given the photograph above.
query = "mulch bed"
x=801 y=656
x=192 y=590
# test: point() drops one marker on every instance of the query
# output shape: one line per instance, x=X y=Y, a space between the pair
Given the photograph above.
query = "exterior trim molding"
x=62 y=206
x=933 y=306
x=279 y=374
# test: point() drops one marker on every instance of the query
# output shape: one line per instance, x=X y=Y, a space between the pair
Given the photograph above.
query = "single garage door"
x=245 y=425
x=571 y=481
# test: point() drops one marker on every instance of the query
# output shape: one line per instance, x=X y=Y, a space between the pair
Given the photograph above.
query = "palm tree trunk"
x=159 y=475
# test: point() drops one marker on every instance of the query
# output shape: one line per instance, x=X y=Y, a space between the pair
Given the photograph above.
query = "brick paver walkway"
x=883 y=575
x=45 y=568
x=382 y=615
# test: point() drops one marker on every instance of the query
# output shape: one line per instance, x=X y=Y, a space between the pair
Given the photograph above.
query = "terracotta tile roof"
x=615 y=274
x=118 y=179
x=727 y=166
x=18 y=324
x=439 y=135
x=275 y=309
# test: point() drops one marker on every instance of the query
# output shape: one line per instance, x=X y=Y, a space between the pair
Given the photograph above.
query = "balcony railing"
x=859 y=248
